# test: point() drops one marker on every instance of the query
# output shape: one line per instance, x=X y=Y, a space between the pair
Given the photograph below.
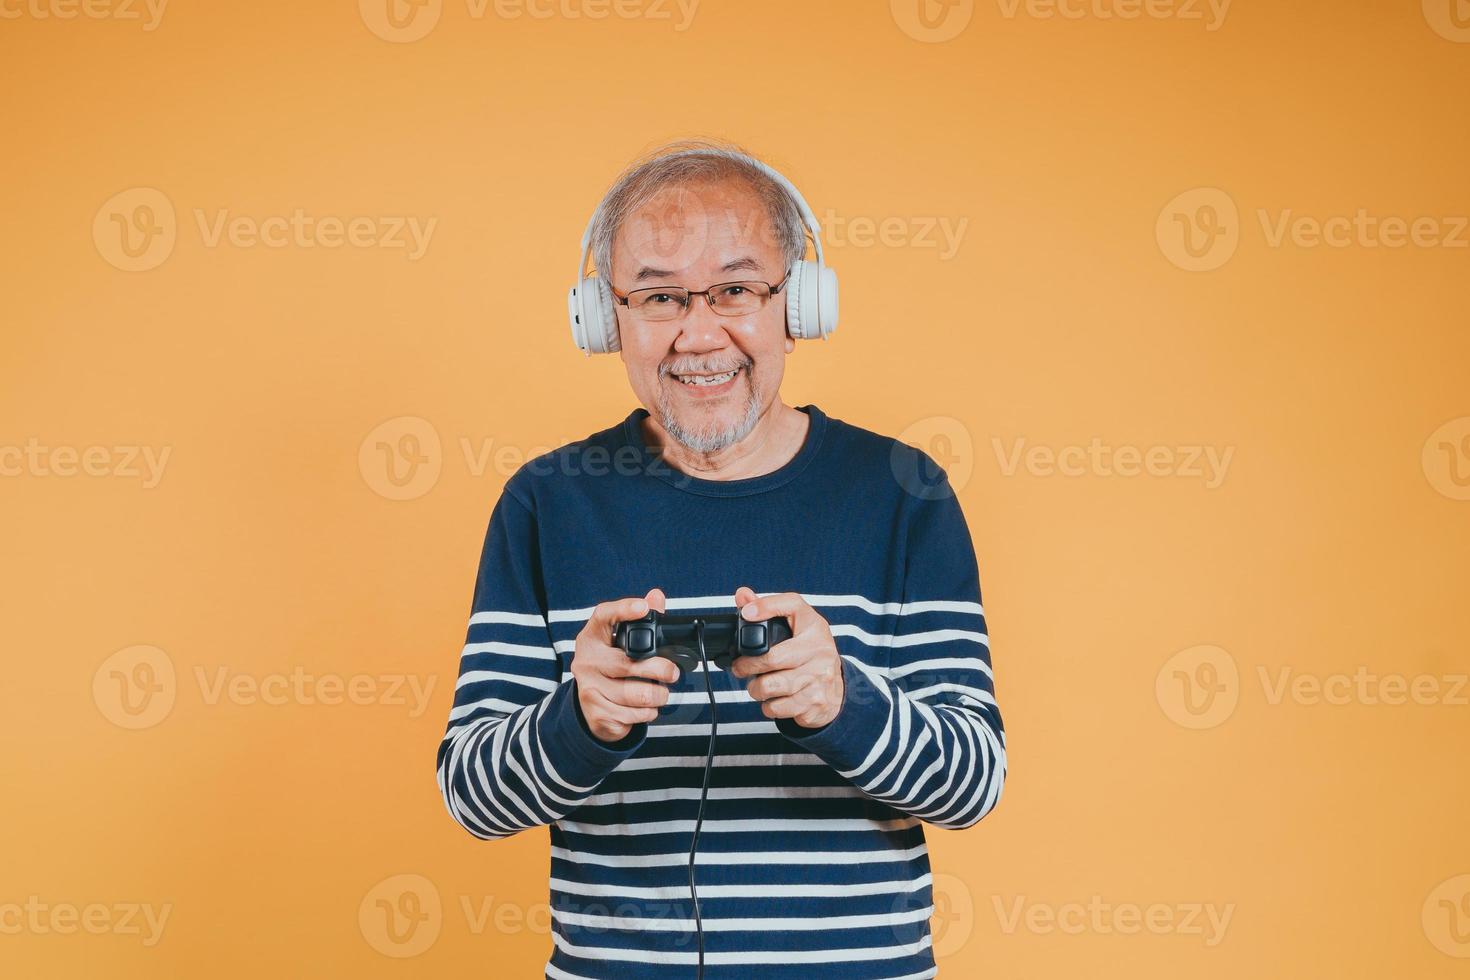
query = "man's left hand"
x=800 y=678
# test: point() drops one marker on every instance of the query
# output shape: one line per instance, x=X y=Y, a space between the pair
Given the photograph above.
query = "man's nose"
x=702 y=328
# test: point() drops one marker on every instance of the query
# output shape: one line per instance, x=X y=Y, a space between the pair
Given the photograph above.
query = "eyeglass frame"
x=774 y=290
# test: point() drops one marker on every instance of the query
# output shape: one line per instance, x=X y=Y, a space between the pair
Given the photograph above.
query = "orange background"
x=1335 y=833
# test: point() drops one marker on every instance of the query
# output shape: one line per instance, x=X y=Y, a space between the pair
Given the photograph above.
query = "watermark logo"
x=1450 y=19
x=1446 y=917
x=932 y=21
x=675 y=227
x=135 y=230
x=401 y=21
x=1199 y=229
x=947 y=442
x=401 y=916
x=953 y=921
x=1199 y=687
x=136 y=687
x=402 y=458
x=1446 y=459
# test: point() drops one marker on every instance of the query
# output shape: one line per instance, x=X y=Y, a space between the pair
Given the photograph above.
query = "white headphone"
x=811 y=287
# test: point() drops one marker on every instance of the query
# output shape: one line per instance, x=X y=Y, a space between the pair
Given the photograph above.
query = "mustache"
x=689 y=367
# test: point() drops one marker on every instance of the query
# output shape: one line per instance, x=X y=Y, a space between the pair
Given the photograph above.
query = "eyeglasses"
x=672 y=302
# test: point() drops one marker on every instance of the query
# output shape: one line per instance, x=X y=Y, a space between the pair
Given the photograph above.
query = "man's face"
x=695 y=236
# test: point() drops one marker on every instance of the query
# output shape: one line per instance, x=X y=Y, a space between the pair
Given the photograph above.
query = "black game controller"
x=676 y=638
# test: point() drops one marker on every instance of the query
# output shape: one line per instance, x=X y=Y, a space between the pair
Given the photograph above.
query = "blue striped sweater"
x=811 y=860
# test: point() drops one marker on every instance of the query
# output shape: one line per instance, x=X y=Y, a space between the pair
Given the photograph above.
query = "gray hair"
x=687 y=162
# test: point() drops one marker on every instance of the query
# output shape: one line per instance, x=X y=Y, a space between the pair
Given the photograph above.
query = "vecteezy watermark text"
x=1205 y=920
x=138 y=686
x=1200 y=229
x=1211 y=13
x=37 y=917
x=149 y=12
x=145 y=463
x=302 y=230
x=406 y=21
x=1208 y=464
x=136 y=230
x=1200 y=687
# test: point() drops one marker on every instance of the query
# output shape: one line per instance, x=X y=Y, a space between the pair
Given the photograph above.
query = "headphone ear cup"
x=590 y=310
x=607 y=317
x=811 y=301
x=827 y=308
x=794 y=306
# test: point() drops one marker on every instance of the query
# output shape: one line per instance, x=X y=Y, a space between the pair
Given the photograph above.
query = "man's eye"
x=735 y=290
x=662 y=298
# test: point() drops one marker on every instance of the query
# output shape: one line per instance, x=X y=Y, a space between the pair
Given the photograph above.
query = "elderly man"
x=801 y=852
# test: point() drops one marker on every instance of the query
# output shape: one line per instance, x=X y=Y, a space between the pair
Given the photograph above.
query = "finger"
x=635 y=693
x=810 y=718
x=787 y=707
x=610 y=731
x=622 y=712
x=606 y=615
x=788 y=604
x=743 y=595
x=781 y=684
x=656 y=600
x=783 y=656
x=653 y=669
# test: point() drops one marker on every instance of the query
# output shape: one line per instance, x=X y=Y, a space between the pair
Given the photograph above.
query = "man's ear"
x=790 y=343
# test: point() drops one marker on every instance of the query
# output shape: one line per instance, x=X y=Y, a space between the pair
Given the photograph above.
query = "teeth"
x=711 y=379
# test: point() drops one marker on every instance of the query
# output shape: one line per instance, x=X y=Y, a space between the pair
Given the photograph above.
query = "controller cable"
x=704 y=790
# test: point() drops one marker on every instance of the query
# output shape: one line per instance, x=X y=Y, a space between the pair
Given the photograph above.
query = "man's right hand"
x=614 y=691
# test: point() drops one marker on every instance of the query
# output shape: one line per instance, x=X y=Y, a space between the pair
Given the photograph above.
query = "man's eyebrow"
x=734 y=265
x=744 y=262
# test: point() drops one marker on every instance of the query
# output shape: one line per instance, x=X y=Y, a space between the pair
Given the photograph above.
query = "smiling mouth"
x=707 y=380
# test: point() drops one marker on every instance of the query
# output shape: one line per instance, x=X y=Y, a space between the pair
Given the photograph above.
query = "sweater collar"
x=632 y=435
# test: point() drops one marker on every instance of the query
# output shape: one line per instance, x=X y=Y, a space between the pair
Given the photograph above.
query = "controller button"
x=640 y=639
x=752 y=636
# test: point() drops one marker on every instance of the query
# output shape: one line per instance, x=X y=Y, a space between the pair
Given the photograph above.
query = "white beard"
x=707 y=442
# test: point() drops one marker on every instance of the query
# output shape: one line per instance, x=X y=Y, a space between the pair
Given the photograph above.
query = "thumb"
x=788 y=604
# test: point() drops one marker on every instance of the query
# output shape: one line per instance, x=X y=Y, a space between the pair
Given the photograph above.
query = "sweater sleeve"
x=517 y=753
x=925 y=735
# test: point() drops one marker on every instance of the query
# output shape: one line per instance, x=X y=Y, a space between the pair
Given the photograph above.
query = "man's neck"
x=774 y=442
